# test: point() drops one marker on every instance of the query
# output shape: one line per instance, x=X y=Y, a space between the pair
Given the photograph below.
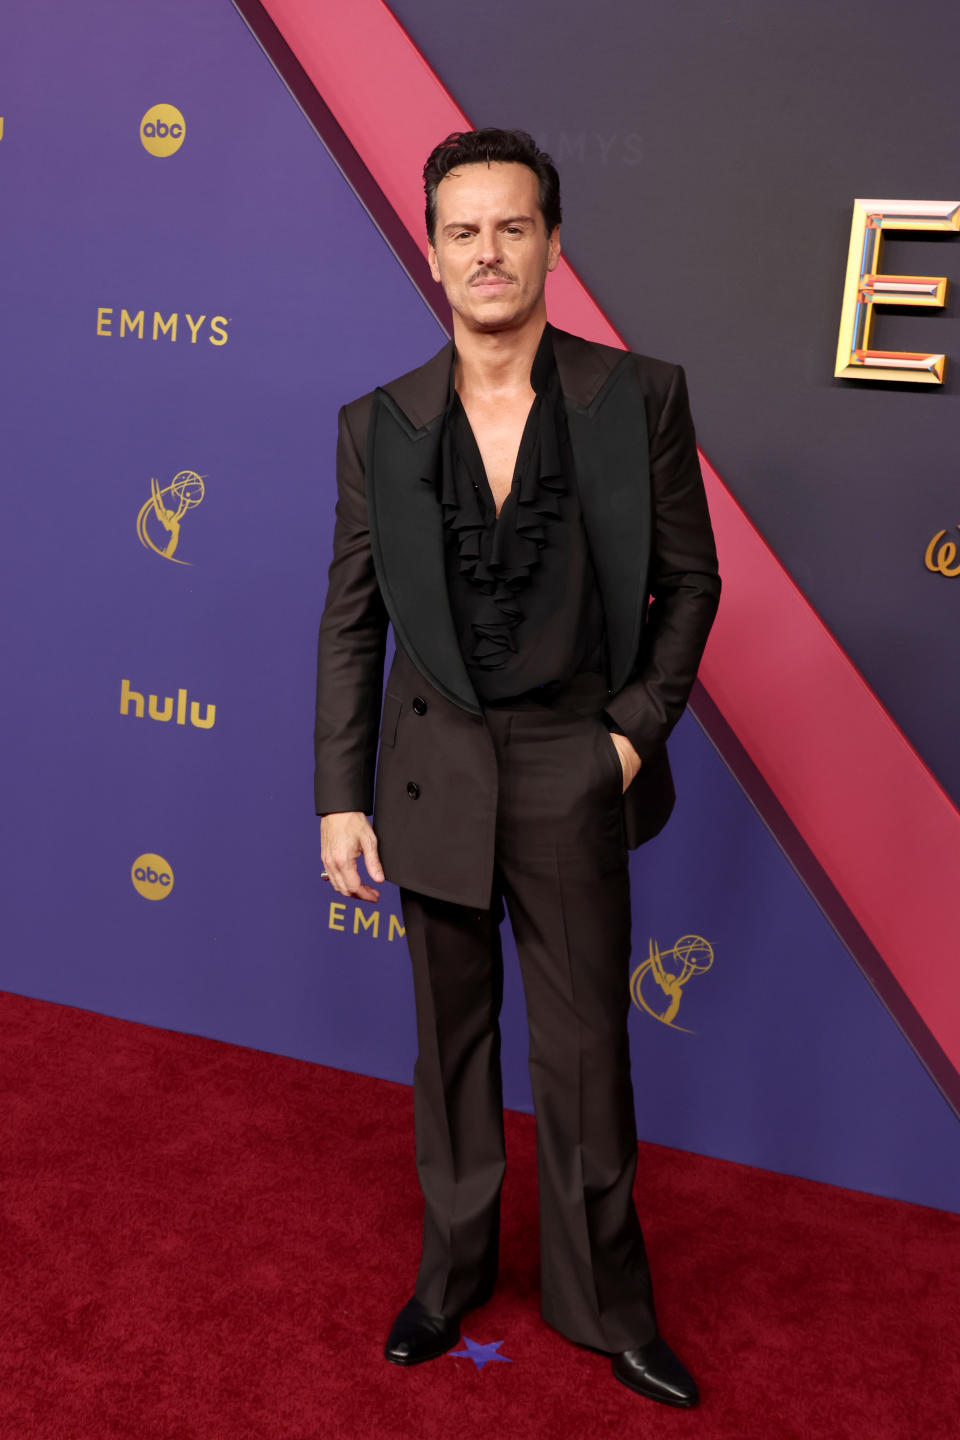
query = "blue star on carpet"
x=480 y=1354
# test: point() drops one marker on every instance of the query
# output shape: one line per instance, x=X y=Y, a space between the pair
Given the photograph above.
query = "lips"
x=494 y=284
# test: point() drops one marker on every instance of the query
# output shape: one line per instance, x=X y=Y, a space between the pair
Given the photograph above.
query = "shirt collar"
x=543 y=367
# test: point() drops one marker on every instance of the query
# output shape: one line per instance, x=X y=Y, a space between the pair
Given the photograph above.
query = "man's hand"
x=344 y=836
x=629 y=759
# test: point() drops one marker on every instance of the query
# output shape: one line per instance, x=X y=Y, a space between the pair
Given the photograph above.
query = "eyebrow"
x=469 y=225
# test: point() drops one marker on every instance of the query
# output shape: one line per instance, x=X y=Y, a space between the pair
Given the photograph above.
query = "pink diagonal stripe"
x=870 y=810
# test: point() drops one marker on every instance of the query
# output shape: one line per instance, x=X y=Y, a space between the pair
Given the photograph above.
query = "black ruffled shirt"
x=522 y=587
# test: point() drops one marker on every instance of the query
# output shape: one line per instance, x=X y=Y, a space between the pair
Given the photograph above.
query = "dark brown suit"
x=454 y=792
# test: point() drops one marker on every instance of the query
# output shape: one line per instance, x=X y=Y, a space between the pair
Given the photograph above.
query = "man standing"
x=527 y=510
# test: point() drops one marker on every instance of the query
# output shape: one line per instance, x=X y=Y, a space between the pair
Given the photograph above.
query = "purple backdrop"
x=786 y=1059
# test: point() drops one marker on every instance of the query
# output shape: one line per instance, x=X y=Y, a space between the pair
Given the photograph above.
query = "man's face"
x=492 y=252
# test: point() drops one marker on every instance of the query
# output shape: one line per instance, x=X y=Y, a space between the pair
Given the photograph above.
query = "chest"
x=498 y=430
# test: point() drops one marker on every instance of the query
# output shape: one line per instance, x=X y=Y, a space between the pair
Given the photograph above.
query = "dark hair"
x=472 y=147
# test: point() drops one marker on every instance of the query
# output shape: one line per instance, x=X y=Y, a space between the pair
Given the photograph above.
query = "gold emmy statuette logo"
x=158 y=523
x=162 y=130
x=152 y=877
x=691 y=955
x=941 y=561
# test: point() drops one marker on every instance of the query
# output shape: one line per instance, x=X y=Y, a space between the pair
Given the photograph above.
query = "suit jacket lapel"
x=406 y=523
x=607 y=422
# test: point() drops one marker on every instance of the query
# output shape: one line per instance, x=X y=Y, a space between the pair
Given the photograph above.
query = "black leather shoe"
x=418 y=1334
x=653 y=1370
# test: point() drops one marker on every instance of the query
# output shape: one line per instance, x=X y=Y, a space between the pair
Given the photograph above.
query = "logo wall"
x=160 y=517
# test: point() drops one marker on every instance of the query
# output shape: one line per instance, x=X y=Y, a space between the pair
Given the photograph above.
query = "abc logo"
x=162 y=130
x=152 y=877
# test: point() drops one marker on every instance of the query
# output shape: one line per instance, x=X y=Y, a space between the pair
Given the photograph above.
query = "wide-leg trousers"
x=561 y=870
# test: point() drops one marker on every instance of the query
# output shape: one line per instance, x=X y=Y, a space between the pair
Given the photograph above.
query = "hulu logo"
x=167 y=709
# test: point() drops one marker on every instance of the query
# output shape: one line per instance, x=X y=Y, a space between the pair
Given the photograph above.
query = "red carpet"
x=204 y=1242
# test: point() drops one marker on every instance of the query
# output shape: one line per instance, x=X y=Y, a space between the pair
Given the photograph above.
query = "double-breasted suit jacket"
x=431 y=784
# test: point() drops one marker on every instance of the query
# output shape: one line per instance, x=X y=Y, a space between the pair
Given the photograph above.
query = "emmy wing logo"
x=158 y=523
x=656 y=986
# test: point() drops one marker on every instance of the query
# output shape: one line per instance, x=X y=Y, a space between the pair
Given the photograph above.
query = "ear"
x=432 y=262
x=553 y=253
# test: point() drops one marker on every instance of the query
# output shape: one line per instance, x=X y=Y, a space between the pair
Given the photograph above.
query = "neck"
x=492 y=364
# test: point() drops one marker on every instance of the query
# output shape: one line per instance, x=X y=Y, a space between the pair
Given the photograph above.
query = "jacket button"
x=419 y=705
x=413 y=789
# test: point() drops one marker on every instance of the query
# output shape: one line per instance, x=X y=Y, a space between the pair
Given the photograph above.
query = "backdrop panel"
x=287 y=302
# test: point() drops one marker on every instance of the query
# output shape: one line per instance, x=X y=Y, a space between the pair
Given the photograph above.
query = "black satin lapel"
x=609 y=442
x=406 y=537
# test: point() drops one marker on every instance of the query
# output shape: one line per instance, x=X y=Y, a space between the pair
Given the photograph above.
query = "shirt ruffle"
x=499 y=554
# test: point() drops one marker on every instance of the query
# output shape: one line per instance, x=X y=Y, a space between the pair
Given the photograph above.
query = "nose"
x=489 y=249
